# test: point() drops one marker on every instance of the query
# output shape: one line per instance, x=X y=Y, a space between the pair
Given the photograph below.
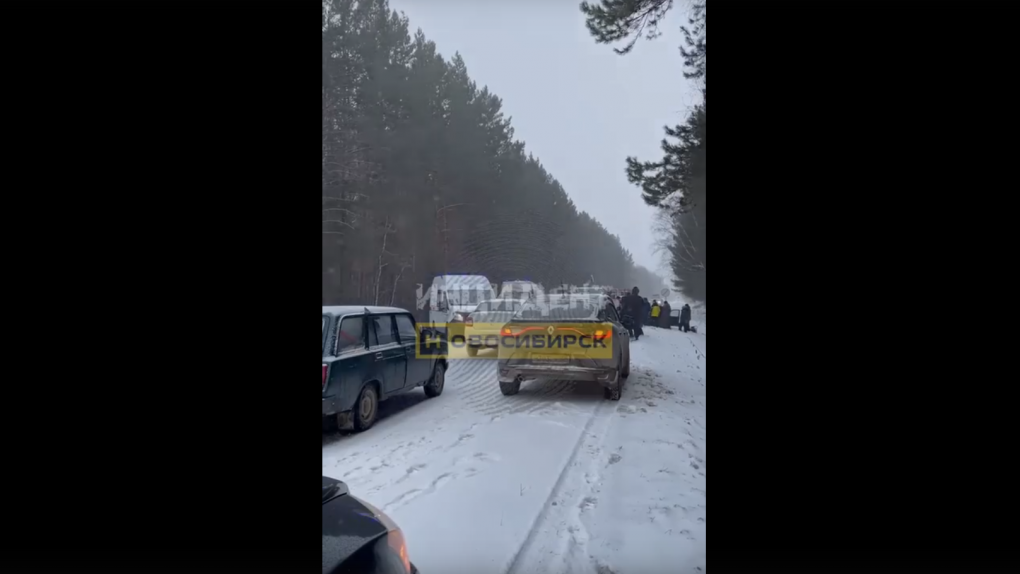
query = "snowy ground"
x=553 y=480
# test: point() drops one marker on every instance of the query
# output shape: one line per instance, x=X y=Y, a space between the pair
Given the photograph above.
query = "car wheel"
x=366 y=409
x=614 y=394
x=434 y=387
x=509 y=389
x=611 y=394
x=472 y=351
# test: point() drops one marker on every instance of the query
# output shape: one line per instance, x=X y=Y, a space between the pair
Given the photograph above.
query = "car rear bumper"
x=607 y=377
x=331 y=406
x=483 y=338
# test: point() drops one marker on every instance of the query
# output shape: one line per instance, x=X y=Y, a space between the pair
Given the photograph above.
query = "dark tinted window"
x=325 y=321
x=464 y=296
x=611 y=313
x=405 y=328
x=382 y=331
x=351 y=335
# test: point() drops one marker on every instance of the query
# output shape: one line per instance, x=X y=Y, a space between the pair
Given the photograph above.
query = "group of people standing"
x=637 y=311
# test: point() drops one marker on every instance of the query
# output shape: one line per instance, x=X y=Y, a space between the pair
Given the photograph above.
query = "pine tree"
x=677 y=182
x=421 y=174
x=615 y=20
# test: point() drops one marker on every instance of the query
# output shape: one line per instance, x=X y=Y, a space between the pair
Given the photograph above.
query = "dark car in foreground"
x=358 y=538
x=369 y=354
x=563 y=316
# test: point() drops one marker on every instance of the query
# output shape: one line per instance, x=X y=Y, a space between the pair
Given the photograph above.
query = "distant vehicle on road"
x=453 y=297
x=523 y=363
x=358 y=537
x=369 y=354
x=486 y=321
x=674 y=318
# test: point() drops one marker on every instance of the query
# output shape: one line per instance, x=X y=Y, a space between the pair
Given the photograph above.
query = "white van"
x=453 y=297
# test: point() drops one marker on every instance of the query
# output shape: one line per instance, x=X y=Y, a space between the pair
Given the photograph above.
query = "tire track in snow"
x=475 y=378
x=536 y=396
x=595 y=428
x=700 y=354
x=481 y=382
x=477 y=387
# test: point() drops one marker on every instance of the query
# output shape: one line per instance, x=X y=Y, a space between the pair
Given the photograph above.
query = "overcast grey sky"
x=580 y=108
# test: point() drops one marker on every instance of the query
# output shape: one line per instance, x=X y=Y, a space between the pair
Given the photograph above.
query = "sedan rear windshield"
x=560 y=309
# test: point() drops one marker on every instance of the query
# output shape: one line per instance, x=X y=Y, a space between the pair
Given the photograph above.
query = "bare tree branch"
x=378 y=278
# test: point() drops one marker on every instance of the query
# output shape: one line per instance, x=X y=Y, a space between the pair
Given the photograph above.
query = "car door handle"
x=378 y=355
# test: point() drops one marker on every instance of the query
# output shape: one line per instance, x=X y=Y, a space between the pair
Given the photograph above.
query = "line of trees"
x=421 y=175
x=677 y=183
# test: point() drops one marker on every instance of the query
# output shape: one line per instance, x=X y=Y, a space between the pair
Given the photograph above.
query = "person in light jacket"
x=656 y=311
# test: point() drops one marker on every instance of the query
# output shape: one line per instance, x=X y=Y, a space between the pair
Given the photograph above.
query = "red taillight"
x=324 y=378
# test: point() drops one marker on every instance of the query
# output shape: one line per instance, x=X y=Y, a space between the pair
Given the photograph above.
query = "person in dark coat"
x=646 y=311
x=685 y=318
x=631 y=305
x=664 y=315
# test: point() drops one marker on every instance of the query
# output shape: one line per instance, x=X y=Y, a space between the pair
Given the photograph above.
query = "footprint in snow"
x=440 y=481
x=614 y=458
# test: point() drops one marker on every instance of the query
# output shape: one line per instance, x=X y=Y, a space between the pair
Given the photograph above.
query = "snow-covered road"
x=554 y=479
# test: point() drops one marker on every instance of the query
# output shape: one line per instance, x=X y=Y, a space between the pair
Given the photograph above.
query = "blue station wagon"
x=369 y=355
